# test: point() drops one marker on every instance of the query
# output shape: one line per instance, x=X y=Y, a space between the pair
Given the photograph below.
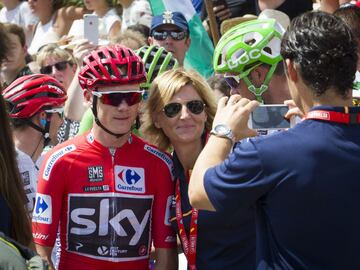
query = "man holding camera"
x=306 y=204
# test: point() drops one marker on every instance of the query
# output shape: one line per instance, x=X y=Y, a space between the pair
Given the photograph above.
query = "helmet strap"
x=44 y=131
x=97 y=121
x=259 y=91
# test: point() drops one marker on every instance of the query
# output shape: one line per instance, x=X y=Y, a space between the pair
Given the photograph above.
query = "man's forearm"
x=214 y=152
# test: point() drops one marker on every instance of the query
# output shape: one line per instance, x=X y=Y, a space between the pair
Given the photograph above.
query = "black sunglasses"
x=163 y=34
x=60 y=66
x=194 y=106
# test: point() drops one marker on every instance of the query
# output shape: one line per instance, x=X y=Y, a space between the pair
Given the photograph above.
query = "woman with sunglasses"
x=179 y=115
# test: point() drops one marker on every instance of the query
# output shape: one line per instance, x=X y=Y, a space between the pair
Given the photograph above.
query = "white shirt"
x=29 y=172
x=44 y=34
x=21 y=15
x=107 y=21
x=139 y=11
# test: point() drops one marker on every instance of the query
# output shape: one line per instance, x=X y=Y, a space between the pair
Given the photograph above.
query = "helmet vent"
x=101 y=55
x=268 y=50
x=250 y=42
x=112 y=54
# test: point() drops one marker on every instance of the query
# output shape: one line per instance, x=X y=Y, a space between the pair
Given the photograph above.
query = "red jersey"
x=111 y=203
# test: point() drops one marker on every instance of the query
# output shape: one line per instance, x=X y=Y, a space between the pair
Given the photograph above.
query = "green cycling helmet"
x=156 y=60
x=245 y=47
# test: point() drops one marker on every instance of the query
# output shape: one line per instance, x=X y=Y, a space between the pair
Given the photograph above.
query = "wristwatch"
x=223 y=131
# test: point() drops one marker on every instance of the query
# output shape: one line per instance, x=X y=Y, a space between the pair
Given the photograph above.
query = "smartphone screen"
x=91 y=28
x=269 y=117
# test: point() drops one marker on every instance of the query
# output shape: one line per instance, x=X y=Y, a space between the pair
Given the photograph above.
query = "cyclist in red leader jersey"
x=109 y=190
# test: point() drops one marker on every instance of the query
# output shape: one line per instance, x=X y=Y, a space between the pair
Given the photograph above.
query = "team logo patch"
x=54 y=157
x=129 y=179
x=95 y=173
x=119 y=219
x=43 y=209
x=162 y=156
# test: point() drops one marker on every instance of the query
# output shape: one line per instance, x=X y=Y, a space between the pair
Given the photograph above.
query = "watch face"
x=221 y=129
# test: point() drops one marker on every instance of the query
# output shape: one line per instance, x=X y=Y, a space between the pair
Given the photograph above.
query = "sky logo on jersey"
x=43 y=209
x=130 y=179
x=54 y=157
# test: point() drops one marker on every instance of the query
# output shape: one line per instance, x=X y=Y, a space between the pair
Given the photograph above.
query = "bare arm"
x=166 y=259
x=234 y=113
x=74 y=106
x=45 y=253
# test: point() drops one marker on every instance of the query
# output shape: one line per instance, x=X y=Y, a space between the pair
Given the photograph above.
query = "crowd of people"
x=116 y=154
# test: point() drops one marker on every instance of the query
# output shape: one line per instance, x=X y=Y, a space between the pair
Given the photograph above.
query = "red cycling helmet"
x=27 y=95
x=111 y=65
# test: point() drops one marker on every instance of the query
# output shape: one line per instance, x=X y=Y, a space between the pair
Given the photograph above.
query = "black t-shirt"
x=292 y=8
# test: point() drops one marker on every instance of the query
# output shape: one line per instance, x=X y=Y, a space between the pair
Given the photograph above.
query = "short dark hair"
x=4 y=43
x=324 y=49
x=16 y=30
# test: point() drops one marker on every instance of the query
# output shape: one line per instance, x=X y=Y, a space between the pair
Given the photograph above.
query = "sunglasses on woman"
x=163 y=34
x=131 y=97
x=60 y=66
x=59 y=111
x=194 y=106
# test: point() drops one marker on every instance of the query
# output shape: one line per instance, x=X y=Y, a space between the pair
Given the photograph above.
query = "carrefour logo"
x=43 y=209
x=130 y=179
x=55 y=157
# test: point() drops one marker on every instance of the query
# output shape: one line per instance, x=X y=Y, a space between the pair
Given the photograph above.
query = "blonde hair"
x=53 y=50
x=163 y=88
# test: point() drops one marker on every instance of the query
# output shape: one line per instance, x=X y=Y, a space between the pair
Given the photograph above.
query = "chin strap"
x=258 y=91
x=44 y=131
x=97 y=121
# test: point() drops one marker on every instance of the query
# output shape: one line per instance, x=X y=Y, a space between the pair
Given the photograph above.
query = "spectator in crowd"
x=219 y=86
x=305 y=202
x=54 y=21
x=15 y=64
x=171 y=31
x=127 y=190
x=18 y=12
x=61 y=65
x=178 y=116
x=35 y=105
x=14 y=220
x=249 y=57
x=135 y=12
x=110 y=22
x=350 y=14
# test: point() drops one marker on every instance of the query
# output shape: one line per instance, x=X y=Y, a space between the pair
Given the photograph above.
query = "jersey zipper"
x=113 y=204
